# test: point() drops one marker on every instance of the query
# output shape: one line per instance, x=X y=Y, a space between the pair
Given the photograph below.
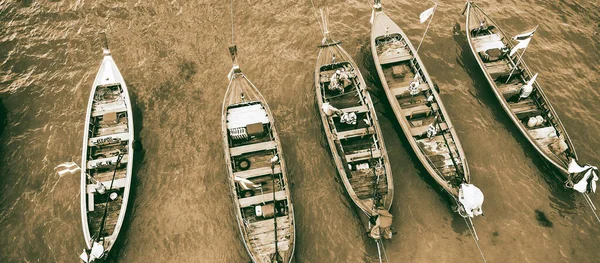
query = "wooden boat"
x=106 y=160
x=257 y=172
x=357 y=146
x=418 y=107
x=549 y=137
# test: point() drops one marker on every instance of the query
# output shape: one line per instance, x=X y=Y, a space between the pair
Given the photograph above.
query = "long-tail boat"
x=421 y=113
x=354 y=135
x=106 y=165
x=523 y=99
x=256 y=171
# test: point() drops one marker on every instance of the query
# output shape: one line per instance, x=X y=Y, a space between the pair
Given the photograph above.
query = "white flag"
x=526 y=35
x=522 y=44
x=426 y=14
x=523 y=39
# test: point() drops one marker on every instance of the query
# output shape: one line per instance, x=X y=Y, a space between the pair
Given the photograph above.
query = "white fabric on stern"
x=471 y=198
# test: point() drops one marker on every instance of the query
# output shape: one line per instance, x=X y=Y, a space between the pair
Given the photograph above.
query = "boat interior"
x=260 y=187
x=531 y=109
x=357 y=142
x=417 y=106
x=108 y=139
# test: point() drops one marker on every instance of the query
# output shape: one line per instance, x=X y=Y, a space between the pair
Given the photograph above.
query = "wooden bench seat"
x=355 y=157
x=409 y=112
x=263 y=146
x=525 y=108
x=400 y=91
x=257 y=172
x=357 y=109
x=101 y=109
x=510 y=90
x=397 y=55
x=355 y=133
x=108 y=139
x=116 y=184
x=105 y=162
x=259 y=199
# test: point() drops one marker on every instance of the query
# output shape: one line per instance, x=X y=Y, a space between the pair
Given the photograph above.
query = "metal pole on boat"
x=429 y=23
x=519 y=60
x=274 y=161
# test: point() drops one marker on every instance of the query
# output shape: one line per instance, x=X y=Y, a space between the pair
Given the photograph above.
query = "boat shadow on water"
x=138 y=161
x=563 y=200
x=3 y=119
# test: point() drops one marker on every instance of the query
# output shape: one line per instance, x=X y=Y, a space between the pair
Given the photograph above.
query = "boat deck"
x=415 y=111
x=108 y=138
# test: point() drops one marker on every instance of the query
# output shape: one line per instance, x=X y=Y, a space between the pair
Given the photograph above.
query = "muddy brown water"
x=173 y=55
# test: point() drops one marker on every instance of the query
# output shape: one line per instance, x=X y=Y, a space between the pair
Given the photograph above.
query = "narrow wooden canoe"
x=417 y=105
x=548 y=135
x=358 y=148
x=107 y=159
x=256 y=179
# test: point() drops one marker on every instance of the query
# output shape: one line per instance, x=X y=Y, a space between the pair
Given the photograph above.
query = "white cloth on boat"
x=426 y=14
x=329 y=110
x=383 y=224
x=471 y=199
x=584 y=178
x=245 y=183
x=348 y=118
x=242 y=116
x=528 y=88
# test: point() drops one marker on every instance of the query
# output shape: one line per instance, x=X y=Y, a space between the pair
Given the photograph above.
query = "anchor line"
x=471 y=228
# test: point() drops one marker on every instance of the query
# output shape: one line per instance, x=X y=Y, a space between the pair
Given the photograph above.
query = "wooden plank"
x=257 y=172
x=263 y=146
x=118 y=183
x=355 y=133
x=400 y=54
x=258 y=199
x=525 y=108
x=102 y=109
x=362 y=156
x=357 y=109
x=98 y=163
x=416 y=110
x=267 y=225
x=108 y=139
x=510 y=90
